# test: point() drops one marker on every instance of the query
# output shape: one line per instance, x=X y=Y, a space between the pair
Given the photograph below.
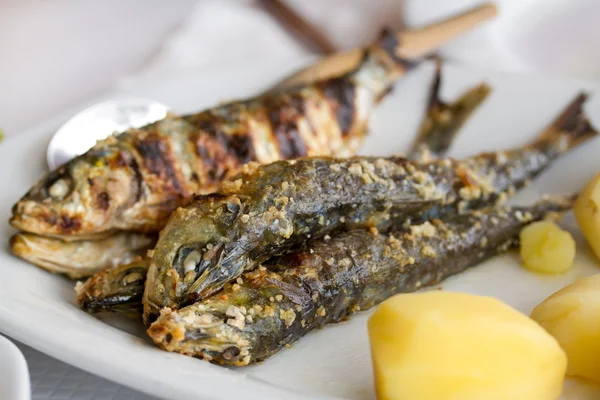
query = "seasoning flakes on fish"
x=268 y=209
x=270 y=308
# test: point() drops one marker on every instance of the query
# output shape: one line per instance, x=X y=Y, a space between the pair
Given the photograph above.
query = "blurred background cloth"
x=55 y=54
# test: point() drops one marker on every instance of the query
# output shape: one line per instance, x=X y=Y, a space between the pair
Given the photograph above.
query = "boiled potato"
x=587 y=214
x=545 y=247
x=441 y=345
x=572 y=316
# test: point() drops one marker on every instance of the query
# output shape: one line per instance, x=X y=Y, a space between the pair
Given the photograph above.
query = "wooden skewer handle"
x=413 y=44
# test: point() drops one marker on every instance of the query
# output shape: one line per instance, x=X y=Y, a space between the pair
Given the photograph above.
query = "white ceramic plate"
x=14 y=375
x=39 y=309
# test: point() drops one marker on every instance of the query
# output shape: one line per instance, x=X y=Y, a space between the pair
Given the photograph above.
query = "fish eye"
x=191 y=261
x=59 y=189
x=59 y=184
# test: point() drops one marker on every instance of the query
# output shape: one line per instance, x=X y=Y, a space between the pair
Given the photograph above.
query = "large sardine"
x=134 y=181
x=440 y=125
x=268 y=209
x=273 y=306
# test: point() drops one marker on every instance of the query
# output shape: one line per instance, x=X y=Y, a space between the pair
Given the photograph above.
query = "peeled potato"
x=545 y=247
x=442 y=346
x=587 y=213
x=572 y=316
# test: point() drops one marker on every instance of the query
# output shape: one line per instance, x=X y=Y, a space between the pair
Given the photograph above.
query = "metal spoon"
x=80 y=133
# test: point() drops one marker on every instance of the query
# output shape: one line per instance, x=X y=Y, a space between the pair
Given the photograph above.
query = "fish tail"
x=571 y=128
x=550 y=207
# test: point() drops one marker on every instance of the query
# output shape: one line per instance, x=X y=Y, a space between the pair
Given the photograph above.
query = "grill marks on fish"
x=217 y=162
x=273 y=306
x=284 y=119
x=285 y=203
x=340 y=94
x=157 y=159
x=323 y=118
x=69 y=223
x=103 y=200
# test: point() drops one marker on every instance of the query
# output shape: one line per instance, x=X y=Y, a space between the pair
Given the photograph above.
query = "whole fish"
x=273 y=306
x=133 y=181
x=113 y=290
x=80 y=259
x=440 y=125
x=266 y=210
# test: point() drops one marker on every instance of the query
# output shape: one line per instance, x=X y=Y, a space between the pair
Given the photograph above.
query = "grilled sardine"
x=441 y=123
x=133 y=181
x=268 y=209
x=113 y=290
x=273 y=306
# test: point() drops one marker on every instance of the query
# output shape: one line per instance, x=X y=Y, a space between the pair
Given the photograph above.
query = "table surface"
x=52 y=379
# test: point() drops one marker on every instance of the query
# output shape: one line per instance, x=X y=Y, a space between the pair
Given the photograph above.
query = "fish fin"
x=549 y=207
x=443 y=121
x=571 y=128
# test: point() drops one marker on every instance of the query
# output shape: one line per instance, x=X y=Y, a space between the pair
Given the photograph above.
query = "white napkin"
x=225 y=32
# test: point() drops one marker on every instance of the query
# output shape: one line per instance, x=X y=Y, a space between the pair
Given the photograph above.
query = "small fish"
x=439 y=127
x=268 y=209
x=115 y=289
x=133 y=181
x=273 y=306
x=81 y=259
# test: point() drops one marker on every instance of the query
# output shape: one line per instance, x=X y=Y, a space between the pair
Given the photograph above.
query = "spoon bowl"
x=84 y=129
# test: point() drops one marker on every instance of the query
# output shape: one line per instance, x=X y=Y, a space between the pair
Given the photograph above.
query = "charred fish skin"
x=82 y=258
x=443 y=121
x=439 y=128
x=273 y=306
x=107 y=292
x=268 y=209
x=133 y=181
x=114 y=289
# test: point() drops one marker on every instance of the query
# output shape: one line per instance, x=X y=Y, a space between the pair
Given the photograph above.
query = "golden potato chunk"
x=572 y=316
x=455 y=346
x=587 y=214
x=545 y=247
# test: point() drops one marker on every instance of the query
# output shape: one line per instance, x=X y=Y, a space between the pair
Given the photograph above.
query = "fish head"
x=112 y=289
x=189 y=260
x=83 y=195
